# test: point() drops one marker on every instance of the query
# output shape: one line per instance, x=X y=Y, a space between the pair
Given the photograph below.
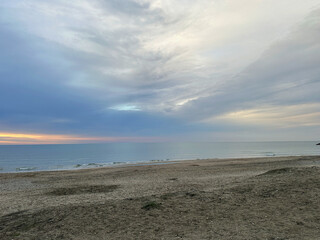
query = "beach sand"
x=262 y=198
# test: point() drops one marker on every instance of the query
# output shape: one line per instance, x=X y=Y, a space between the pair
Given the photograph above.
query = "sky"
x=89 y=71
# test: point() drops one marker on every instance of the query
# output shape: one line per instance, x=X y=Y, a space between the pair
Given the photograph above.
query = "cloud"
x=88 y=66
x=35 y=96
x=151 y=50
x=285 y=75
x=280 y=117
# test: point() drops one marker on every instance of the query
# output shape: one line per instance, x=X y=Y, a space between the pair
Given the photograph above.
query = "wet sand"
x=262 y=198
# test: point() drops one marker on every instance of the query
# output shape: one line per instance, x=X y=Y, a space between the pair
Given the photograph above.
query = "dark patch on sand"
x=151 y=205
x=278 y=171
x=173 y=179
x=83 y=189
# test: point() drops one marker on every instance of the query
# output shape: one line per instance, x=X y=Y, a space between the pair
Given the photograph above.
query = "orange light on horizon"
x=29 y=139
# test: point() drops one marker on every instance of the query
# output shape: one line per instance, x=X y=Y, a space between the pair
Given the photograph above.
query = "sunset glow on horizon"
x=32 y=139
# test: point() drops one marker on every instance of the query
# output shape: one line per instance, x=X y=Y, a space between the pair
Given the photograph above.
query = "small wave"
x=119 y=163
x=89 y=165
x=95 y=164
x=159 y=160
x=26 y=168
x=270 y=154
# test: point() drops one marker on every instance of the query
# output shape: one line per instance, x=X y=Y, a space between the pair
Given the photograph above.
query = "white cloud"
x=125 y=108
x=292 y=116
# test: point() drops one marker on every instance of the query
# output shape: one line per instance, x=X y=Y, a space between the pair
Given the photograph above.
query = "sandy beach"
x=262 y=198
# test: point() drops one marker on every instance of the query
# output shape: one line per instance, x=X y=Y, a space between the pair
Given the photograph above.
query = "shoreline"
x=235 y=198
x=65 y=157
x=88 y=166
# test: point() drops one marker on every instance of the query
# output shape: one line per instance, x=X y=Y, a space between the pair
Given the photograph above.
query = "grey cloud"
x=285 y=74
x=136 y=11
x=113 y=63
x=124 y=68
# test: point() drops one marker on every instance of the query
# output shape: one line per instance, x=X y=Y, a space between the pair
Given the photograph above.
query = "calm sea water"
x=73 y=156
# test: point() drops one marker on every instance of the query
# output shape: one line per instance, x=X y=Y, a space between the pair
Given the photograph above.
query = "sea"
x=24 y=158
